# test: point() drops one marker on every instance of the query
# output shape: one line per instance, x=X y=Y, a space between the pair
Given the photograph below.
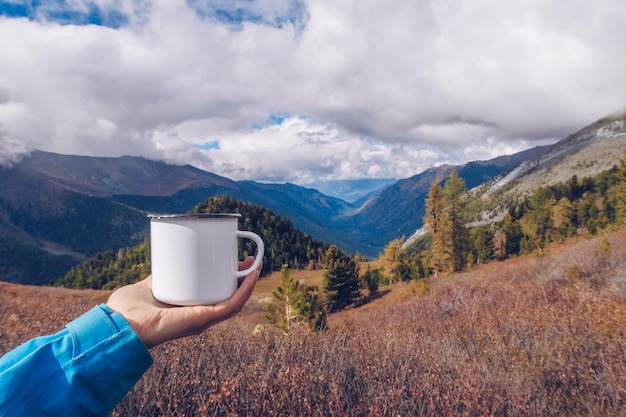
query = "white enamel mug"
x=194 y=257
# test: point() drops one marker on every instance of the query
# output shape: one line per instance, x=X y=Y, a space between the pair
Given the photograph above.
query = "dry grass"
x=266 y=285
x=533 y=336
x=30 y=311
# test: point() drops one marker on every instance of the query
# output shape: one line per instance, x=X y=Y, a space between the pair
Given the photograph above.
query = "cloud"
x=11 y=150
x=357 y=88
x=303 y=150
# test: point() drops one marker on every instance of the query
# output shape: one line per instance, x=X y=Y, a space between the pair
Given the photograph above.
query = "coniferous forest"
x=284 y=245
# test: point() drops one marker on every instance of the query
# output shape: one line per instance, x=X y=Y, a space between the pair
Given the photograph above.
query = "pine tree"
x=371 y=280
x=482 y=243
x=562 y=215
x=513 y=236
x=297 y=305
x=288 y=313
x=341 y=280
x=537 y=221
x=313 y=309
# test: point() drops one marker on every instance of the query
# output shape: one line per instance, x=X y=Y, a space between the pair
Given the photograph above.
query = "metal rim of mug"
x=194 y=216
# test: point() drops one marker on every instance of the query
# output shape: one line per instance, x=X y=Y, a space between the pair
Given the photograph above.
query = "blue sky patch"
x=273 y=119
x=207 y=146
x=60 y=11
x=237 y=12
x=233 y=13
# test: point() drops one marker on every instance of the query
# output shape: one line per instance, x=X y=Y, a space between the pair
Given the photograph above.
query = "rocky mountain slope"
x=593 y=149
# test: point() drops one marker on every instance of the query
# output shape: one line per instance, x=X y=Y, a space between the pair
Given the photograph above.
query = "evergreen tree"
x=455 y=209
x=444 y=217
x=482 y=244
x=562 y=215
x=313 y=309
x=574 y=189
x=513 y=235
x=341 y=280
x=537 y=222
x=297 y=305
x=288 y=313
x=371 y=280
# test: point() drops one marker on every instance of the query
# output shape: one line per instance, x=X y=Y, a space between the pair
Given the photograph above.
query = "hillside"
x=594 y=149
x=399 y=209
x=58 y=210
x=529 y=336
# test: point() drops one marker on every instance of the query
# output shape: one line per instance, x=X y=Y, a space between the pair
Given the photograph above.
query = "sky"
x=305 y=90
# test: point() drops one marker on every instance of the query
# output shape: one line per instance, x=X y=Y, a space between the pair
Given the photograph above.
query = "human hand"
x=156 y=323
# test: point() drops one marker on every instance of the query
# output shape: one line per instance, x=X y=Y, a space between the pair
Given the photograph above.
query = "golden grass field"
x=532 y=336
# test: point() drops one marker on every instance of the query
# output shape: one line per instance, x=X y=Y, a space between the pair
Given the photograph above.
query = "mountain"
x=104 y=177
x=57 y=210
x=399 y=209
x=593 y=149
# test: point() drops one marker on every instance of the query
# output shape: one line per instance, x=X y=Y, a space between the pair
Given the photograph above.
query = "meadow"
x=532 y=336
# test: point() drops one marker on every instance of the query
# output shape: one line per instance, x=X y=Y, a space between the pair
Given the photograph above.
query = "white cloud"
x=368 y=88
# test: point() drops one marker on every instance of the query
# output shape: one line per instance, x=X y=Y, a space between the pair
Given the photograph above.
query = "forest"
x=284 y=245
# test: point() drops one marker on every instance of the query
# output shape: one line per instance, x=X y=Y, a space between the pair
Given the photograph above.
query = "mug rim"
x=194 y=216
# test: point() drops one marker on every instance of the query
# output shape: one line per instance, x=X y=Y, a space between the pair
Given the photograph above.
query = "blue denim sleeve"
x=83 y=370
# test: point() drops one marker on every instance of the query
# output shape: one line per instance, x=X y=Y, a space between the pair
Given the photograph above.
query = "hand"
x=156 y=323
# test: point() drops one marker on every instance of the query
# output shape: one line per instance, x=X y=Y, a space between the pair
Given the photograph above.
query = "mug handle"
x=259 y=254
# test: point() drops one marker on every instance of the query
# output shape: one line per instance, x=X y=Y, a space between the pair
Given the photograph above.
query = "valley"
x=85 y=205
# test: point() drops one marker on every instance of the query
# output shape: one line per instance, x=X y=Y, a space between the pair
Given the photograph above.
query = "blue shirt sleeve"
x=83 y=370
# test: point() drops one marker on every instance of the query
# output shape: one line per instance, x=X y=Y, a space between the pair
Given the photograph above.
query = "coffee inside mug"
x=195 y=257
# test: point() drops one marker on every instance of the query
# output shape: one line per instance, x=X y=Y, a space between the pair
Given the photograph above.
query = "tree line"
x=578 y=206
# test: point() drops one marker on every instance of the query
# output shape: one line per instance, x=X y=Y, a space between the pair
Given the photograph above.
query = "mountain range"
x=57 y=210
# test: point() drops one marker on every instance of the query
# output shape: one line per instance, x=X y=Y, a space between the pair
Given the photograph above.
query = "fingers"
x=235 y=303
x=246 y=263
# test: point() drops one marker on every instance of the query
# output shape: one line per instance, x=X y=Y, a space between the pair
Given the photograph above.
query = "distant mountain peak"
x=106 y=176
x=591 y=150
